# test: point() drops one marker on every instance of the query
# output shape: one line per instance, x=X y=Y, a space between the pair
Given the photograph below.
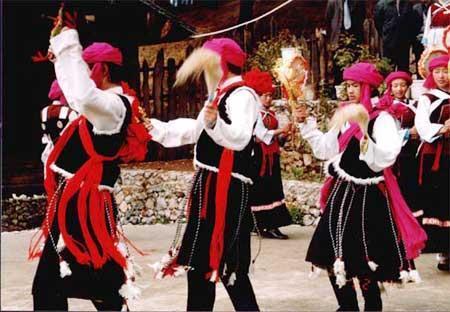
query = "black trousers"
x=46 y=289
x=202 y=293
x=55 y=302
x=346 y=296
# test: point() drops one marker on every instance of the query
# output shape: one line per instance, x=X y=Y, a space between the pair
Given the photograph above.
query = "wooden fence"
x=163 y=102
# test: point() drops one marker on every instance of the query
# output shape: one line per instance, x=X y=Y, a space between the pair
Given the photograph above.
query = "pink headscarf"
x=368 y=76
x=440 y=61
x=56 y=93
x=411 y=233
x=386 y=102
x=98 y=53
x=229 y=51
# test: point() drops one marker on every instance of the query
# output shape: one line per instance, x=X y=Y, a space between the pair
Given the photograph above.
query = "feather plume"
x=201 y=61
x=351 y=113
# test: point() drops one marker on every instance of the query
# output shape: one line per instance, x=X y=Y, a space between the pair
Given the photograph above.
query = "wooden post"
x=171 y=99
x=315 y=69
x=145 y=89
x=171 y=94
x=158 y=76
x=321 y=45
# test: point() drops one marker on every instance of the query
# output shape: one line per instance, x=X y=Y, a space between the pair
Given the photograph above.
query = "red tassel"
x=437 y=157
x=83 y=217
x=85 y=181
x=72 y=187
x=103 y=235
x=50 y=188
x=223 y=183
x=97 y=219
x=39 y=57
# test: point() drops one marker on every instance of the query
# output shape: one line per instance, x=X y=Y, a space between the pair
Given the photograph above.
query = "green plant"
x=325 y=90
x=348 y=52
x=295 y=212
x=268 y=51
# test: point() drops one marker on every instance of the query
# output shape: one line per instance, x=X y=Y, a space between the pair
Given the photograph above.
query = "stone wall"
x=158 y=196
x=23 y=212
x=149 y=196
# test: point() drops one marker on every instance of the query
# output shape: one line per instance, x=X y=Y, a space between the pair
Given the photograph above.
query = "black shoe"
x=278 y=232
x=444 y=266
x=273 y=234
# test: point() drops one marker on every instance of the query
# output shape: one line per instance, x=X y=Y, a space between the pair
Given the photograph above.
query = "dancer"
x=82 y=256
x=366 y=230
x=267 y=196
x=216 y=242
x=433 y=125
x=406 y=167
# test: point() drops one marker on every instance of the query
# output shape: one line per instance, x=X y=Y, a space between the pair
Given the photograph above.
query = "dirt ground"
x=280 y=279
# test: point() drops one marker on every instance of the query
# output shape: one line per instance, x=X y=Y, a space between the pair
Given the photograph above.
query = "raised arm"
x=105 y=110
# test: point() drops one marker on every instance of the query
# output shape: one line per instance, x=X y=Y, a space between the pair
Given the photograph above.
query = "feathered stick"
x=201 y=61
x=355 y=113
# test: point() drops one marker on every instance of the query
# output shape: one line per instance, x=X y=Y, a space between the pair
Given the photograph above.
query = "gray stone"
x=150 y=203
x=161 y=203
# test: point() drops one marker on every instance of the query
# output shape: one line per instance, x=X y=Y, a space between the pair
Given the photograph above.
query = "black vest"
x=208 y=152
x=73 y=155
x=350 y=161
x=438 y=114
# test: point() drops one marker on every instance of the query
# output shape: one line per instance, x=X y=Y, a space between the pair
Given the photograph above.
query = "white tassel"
x=122 y=249
x=404 y=276
x=166 y=259
x=157 y=266
x=339 y=272
x=159 y=275
x=61 y=244
x=341 y=280
x=315 y=272
x=180 y=270
x=129 y=291
x=64 y=269
x=414 y=276
x=213 y=277
x=232 y=279
x=372 y=265
x=339 y=266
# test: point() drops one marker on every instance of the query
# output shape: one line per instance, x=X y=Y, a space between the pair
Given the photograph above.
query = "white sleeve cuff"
x=158 y=132
x=63 y=41
x=309 y=125
x=434 y=132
